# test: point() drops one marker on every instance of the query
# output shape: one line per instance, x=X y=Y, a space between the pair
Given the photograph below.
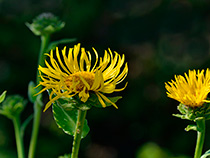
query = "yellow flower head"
x=70 y=74
x=191 y=90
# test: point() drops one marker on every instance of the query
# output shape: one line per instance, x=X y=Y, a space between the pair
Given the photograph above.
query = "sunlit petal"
x=71 y=74
x=191 y=89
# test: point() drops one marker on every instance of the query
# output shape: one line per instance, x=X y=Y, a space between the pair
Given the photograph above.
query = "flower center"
x=75 y=82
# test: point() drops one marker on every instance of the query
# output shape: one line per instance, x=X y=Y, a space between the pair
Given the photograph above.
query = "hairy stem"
x=200 y=137
x=78 y=133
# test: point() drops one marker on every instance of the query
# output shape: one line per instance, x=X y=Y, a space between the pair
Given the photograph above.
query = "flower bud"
x=45 y=24
x=13 y=106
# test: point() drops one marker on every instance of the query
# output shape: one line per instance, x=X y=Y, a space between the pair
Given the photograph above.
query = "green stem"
x=44 y=44
x=200 y=137
x=37 y=106
x=35 y=131
x=78 y=133
x=18 y=137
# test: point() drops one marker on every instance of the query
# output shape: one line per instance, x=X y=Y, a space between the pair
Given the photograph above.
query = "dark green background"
x=159 y=38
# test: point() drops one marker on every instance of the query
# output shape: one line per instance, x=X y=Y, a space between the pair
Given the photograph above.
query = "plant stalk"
x=18 y=137
x=200 y=137
x=78 y=133
x=37 y=107
x=44 y=44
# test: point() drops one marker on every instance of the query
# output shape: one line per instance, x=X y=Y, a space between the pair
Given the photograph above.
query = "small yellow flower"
x=191 y=90
x=71 y=74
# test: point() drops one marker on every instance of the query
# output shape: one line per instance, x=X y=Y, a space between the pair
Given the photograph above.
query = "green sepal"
x=207 y=111
x=193 y=114
x=180 y=116
x=199 y=125
x=2 y=96
x=66 y=119
x=65 y=156
x=54 y=44
x=206 y=154
x=191 y=127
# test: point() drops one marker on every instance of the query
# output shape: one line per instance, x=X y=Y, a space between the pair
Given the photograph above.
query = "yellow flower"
x=191 y=90
x=70 y=74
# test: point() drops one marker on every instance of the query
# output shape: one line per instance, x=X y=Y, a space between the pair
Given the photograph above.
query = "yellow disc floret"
x=78 y=80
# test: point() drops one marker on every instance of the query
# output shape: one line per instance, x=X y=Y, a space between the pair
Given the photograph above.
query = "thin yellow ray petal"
x=68 y=61
x=59 y=59
x=53 y=61
x=101 y=100
x=81 y=62
x=101 y=81
x=85 y=82
x=88 y=61
x=84 y=58
x=50 y=103
x=117 y=90
x=44 y=89
x=57 y=72
x=75 y=58
x=111 y=66
x=108 y=88
x=96 y=82
x=107 y=100
x=96 y=55
x=124 y=72
x=47 y=72
x=122 y=78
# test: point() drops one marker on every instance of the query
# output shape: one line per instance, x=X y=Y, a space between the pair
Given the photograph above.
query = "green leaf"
x=67 y=103
x=206 y=154
x=54 y=44
x=25 y=123
x=66 y=119
x=2 y=96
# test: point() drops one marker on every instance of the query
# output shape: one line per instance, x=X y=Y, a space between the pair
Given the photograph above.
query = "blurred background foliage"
x=160 y=38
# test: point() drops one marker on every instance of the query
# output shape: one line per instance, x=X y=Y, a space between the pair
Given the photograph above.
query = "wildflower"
x=190 y=90
x=72 y=74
